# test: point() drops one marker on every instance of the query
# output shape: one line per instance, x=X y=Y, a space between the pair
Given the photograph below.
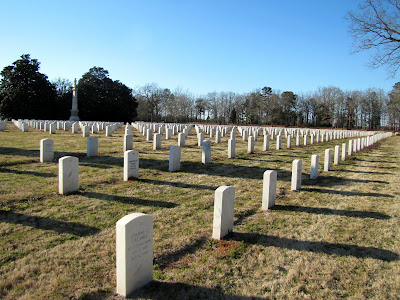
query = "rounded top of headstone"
x=126 y=219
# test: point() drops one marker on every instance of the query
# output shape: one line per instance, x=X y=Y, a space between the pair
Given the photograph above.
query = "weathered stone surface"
x=269 y=189
x=134 y=252
x=131 y=164
x=224 y=203
x=68 y=175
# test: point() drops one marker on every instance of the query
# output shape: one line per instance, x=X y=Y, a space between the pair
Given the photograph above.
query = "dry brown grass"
x=336 y=238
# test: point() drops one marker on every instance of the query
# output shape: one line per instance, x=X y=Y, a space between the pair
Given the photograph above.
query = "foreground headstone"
x=278 y=142
x=157 y=141
x=134 y=252
x=269 y=189
x=250 y=145
x=344 y=151
x=327 y=161
x=224 y=203
x=131 y=164
x=92 y=146
x=174 y=158
x=289 y=141
x=350 y=149
x=314 y=166
x=46 y=150
x=336 y=156
x=206 y=152
x=231 y=148
x=296 y=174
x=68 y=175
x=266 y=143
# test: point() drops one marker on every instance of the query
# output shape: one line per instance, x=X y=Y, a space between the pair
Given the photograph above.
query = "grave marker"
x=224 y=203
x=46 y=150
x=68 y=175
x=174 y=158
x=269 y=189
x=314 y=166
x=134 y=252
x=92 y=146
x=296 y=174
x=131 y=164
x=206 y=152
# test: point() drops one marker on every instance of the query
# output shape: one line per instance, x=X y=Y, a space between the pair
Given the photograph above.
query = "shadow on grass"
x=129 y=200
x=319 y=247
x=333 y=212
x=363 y=172
x=166 y=260
x=179 y=184
x=329 y=180
x=214 y=169
x=47 y=224
x=178 y=290
x=18 y=151
x=244 y=215
x=3 y=170
x=346 y=193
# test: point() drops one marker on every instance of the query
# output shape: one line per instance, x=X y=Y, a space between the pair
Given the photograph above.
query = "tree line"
x=25 y=93
x=28 y=94
x=326 y=107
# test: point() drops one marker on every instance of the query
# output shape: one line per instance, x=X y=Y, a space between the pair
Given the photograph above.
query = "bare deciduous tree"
x=376 y=26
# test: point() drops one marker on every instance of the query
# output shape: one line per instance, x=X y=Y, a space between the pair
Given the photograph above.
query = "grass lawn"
x=336 y=238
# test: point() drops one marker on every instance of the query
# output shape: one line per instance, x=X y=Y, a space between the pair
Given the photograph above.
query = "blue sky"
x=199 y=46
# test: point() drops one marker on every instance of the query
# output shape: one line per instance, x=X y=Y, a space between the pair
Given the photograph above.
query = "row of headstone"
x=50 y=126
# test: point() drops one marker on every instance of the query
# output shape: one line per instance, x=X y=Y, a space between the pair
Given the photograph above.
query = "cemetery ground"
x=336 y=238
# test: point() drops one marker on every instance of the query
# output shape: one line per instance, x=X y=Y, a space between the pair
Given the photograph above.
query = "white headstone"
x=250 y=145
x=296 y=174
x=52 y=128
x=131 y=164
x=327 y=161
x=218 y=137
x=74 y=128
x=46 y=150
x=224 y=203
x=149 y=134
x=278 y=142
x=168 y=133
x=92 y=146
x=157 y=141
x=344 y=151
x=68 y=175
x=128 y=142
x=314 y=166
x=231 y=148
x=174 y=158
x=269 y=189
x=134 y=252
x=200 y=138
x=289 y=141
x=206 y=152
x=181 y=139
x=336 y=157
x=266 y=142
x=350 y=149
x=85 y=131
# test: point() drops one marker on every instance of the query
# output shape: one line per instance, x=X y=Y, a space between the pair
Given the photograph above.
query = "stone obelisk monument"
x=74 y=110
